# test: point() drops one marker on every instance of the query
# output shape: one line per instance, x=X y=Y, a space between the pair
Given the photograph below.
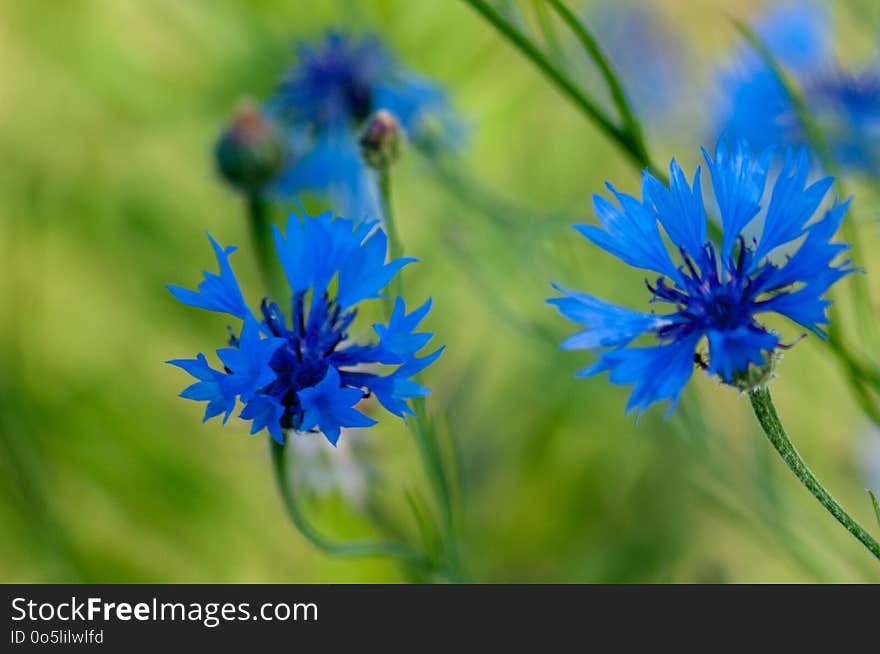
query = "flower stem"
x=261 y=233
x=769 y=420
x=546 y=25
x=395 y=247
x=422 y=425
x=591 y=47
x=628 y=138
x=397 y=550
x=623 y=137
x=860 y=378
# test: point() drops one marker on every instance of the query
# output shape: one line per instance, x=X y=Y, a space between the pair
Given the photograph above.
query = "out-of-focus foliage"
x=111 y=109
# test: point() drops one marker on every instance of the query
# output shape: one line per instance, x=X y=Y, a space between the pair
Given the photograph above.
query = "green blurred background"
x=108 y=114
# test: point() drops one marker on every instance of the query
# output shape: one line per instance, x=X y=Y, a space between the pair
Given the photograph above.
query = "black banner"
x=141 y=617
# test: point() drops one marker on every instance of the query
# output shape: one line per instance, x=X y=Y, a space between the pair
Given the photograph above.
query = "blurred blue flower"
x=756 y=107
x=306 y=374
x=325 y=99
x=646 y=54
x=718 y=290
x=847 y=106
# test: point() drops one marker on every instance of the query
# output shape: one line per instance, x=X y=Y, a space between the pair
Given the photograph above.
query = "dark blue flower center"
x=343 y=90
x=337 y=82
x=708 y=295
x=312 y=338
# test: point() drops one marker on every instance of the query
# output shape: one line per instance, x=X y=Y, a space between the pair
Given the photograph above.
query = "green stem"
x=618 y=95
x=546 y=25
x=395 y=247
x=261 y=233
x=769 y=420
x=628 y=139
x=866 y=371
x=425 y=433
x=716 y=480
x=397 y=550
x=858 y=375
x=421 y=426
x=636 y=154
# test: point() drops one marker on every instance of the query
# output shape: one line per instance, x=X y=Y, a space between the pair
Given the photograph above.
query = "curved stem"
x=629 y=139
x=769 y=420
x=584 y=103
x=395 y=550
x=618 y=95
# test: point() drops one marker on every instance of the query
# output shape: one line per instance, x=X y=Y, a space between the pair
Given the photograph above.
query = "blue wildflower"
x=758 y=108
x=325 y=99
x=716 y=291
x=307 y=374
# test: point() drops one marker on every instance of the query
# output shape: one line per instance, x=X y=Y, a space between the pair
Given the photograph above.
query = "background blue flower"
x=717 y=291
x=755 y=106
x=324 y=100
x=647 y=54
x=307 y=374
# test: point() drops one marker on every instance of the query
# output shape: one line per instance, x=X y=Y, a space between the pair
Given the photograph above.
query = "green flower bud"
x=251 y=151
x=381 y=140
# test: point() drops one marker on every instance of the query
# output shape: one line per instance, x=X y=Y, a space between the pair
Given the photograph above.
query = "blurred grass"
x=110 y=109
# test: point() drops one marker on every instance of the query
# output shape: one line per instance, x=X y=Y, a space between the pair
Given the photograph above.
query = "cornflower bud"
x=381 y=140
x=251 y=151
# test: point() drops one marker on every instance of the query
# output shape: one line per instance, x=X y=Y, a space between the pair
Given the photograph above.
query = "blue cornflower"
x=306 y=374
x=718 y=290
x=325 y=99
x=756 y=106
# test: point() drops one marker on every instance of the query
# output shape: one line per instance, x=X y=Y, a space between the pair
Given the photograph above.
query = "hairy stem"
x=769 y=420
